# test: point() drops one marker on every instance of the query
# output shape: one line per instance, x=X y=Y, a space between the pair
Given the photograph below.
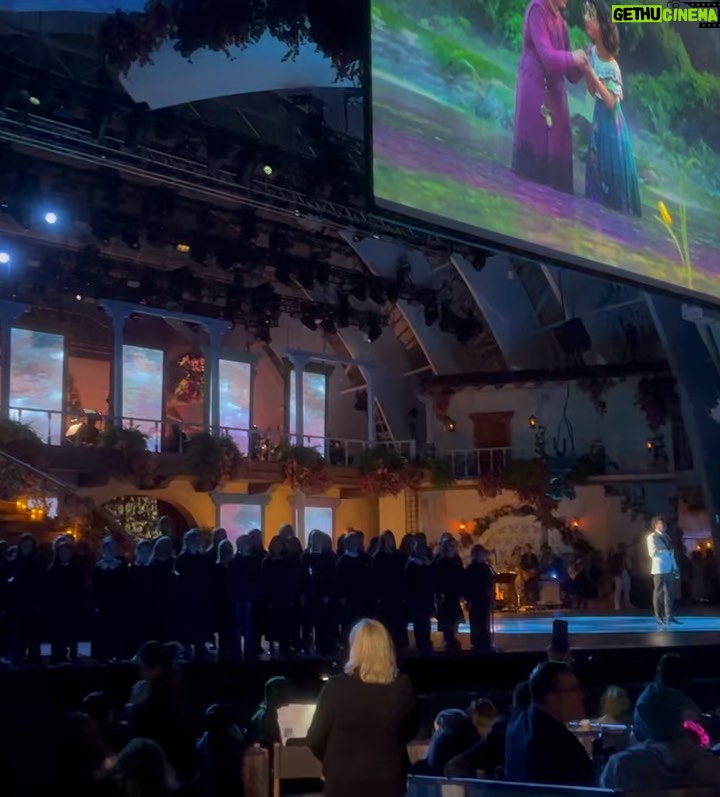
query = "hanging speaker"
x=572 y=337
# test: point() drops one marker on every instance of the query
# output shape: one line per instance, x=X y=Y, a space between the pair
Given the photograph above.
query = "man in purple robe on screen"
x=542 y=144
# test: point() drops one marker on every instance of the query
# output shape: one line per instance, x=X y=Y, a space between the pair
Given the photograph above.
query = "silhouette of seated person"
x=539 y=748
x=454 y=734
x=220 y=750
x=670 y=752
x=84 y=434
x=486 y=758
x=142 y=770
x=528 y=579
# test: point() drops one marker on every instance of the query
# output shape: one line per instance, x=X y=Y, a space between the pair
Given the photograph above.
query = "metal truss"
x=167 y=169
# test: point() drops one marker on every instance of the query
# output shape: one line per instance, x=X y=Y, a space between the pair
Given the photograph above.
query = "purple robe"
x=541 y=153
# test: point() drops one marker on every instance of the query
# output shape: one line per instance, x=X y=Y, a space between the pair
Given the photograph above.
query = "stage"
x=530 y=631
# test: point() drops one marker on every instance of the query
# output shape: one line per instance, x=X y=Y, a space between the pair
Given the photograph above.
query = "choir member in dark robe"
x=218 y=535
x=278 y=592
x=293 y=557
x=353 y=586
x=318 y=591
x=141 y=596
x=5 y=557
x=257 y=549
x=419 y=584
x=24 y=598
x=245 y=584
x=194 y=594
x=164 y=589
x=223 y=615
x=448 y=580
x=110 y=609
x=64 y=602
x=388 y=580
x=479 y=592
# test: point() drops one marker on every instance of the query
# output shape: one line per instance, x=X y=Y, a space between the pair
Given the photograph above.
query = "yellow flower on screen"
x=664 y=213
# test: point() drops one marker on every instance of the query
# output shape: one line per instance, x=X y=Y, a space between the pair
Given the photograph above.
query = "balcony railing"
x=170 y=436
x=630 y=457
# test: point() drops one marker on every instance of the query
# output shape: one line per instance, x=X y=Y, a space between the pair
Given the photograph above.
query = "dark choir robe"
x=245 y=590
x=388 y=580
x=479 y=592
x=142 y=610
x=353 y=589
x=318 y=590
x=162 y=610
x=26 y=585
x=110 y=611
x=64 y=608
x=420 y=589
x=194 y=599
x=280 y=583
x=223 y=618
x=449 y=582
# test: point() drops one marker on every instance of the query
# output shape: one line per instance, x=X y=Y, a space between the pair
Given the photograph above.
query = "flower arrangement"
x=214 y=460
x=19 y=441
x=305 y=470
x=334 y=28
x=191 y=387
x=654 y=395
x=383 y=471
x=597 y=390
x=569 y=534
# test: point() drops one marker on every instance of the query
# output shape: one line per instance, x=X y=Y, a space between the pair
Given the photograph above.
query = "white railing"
x=171 y=436
x=650 y=455
x=472 y=463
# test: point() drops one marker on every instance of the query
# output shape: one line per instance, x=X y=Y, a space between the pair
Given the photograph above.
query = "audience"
x=142 y=770
x=364 y=720
x=539 y=747
x=454 y=733
x=615 y=707
x=668 y=754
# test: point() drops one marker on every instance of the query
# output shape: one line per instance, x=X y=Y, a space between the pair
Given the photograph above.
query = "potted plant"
x=214 y=460
x=305 y=470
x=19 y=442
x=127 y=455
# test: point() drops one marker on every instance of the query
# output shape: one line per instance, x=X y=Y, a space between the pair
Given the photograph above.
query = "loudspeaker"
x=573 y=338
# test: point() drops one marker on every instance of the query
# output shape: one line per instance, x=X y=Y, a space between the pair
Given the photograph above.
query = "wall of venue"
x=201 y=509
x=622 y=429
x=600 y=518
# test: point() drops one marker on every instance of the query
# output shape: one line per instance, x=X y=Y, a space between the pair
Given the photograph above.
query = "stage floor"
x=531 y=631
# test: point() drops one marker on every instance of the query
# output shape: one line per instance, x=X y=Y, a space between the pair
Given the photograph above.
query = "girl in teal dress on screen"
x=610 y=171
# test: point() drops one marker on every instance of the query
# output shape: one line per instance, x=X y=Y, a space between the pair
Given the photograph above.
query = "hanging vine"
x=654 y=396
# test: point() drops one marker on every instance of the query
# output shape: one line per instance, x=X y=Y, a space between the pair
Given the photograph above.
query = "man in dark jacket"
x=539 y=748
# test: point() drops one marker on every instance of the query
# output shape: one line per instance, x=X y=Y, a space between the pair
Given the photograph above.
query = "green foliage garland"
x=214 y=460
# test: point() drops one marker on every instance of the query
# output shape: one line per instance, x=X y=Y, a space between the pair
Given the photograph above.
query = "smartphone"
x=560 y=637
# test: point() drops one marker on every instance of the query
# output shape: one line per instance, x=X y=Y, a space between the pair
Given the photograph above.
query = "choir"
x=298 y=601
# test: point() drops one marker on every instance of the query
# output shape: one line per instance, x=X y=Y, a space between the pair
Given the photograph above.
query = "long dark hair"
x=608 y=29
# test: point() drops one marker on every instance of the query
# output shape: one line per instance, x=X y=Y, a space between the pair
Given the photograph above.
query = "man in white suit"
x=664 y=572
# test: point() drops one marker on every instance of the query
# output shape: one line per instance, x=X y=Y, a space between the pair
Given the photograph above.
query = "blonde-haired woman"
x=364 y=720
x=615 y=706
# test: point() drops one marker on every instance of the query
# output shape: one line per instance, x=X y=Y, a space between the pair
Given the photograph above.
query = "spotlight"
x=51 y=218
x=450 y=424
x=267 y=170
x=532 y=421
x=308 y=320
x=4 y=258
x=183 y=248
x=374 y=330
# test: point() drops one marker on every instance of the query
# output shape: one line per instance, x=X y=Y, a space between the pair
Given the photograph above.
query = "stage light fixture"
x=4 y=258
x=183 y=248
x=374 y=330
x=308 y=321
x=267 y=170
x=532 y=421
x=51 y=218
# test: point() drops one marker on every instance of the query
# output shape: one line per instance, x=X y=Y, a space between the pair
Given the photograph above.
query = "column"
x=212 y=373
x=9 y=313
x=118 y=313
x=372 y=428
x=299 y=364
x=698 y=386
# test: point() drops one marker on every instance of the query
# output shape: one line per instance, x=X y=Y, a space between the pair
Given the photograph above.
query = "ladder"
x=412 y=512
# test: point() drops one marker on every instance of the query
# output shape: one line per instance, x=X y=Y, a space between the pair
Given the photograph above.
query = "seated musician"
x=527 y=583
